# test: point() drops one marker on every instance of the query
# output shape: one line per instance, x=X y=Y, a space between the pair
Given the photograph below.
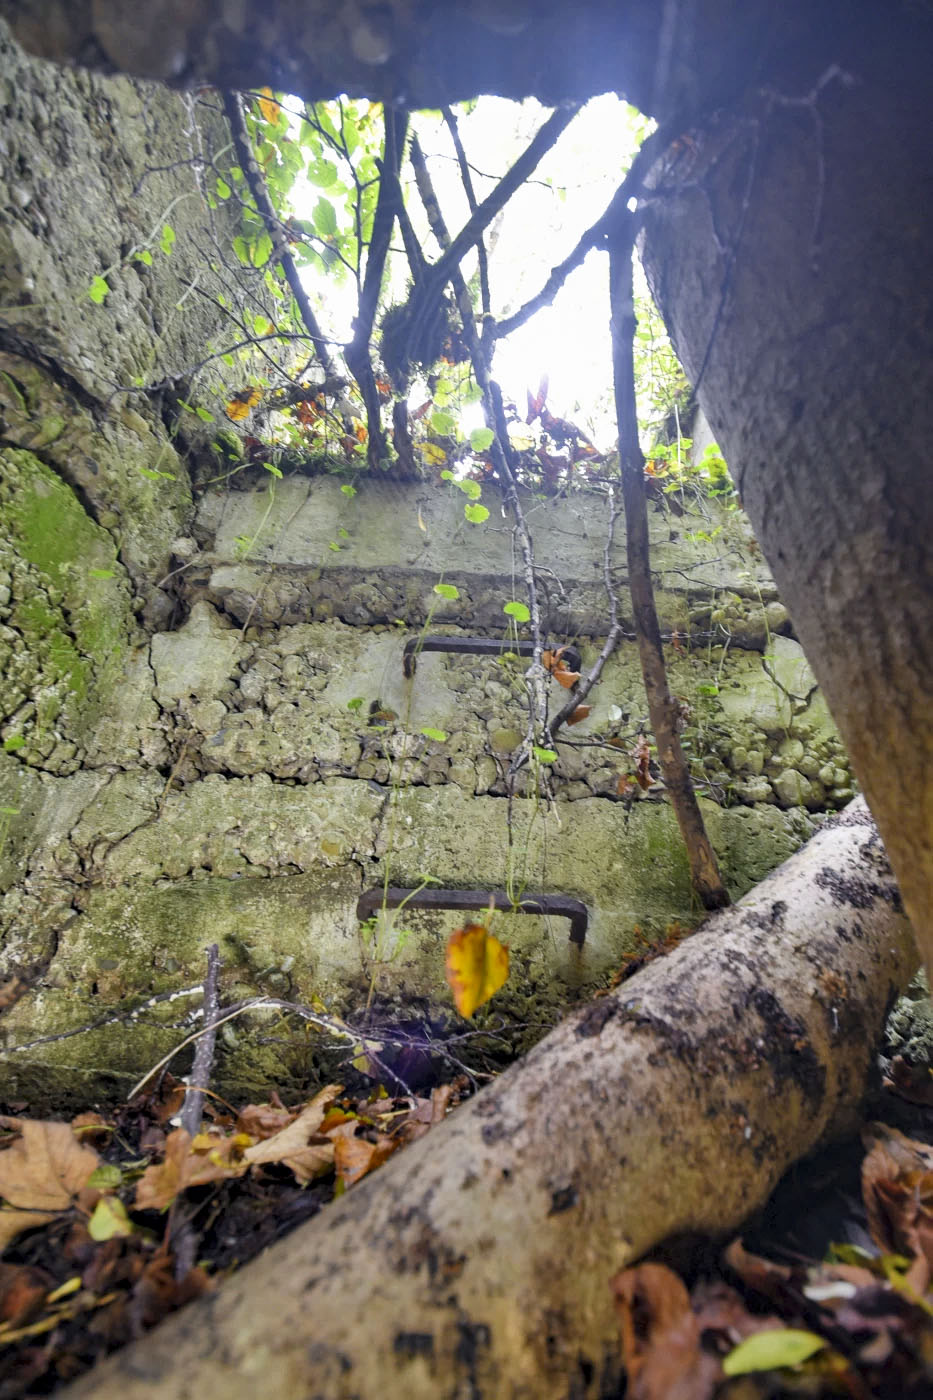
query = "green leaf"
x=14 y=742
x=100 y=573
x=343 y=533
x=205 y=415
x=144 y=256
x=322 y=173
x=167 y=241
x=517 y=610
x=261 y=251
x=98 y=290
x=223 y=189
x=273 y=470
x=356 y=703
x=481 y=439
x=334 y=546
x=768 y=1351
x=106 y=1177
x=476 y=514
x=438 y=735
x=470 y=488
x=348 y=490
x=155 y=476
x=442 y=423
x=241 y=248
x=707 y=690
x=325 y=218
x=544 y=755
x=447 y=475
x=447 y=590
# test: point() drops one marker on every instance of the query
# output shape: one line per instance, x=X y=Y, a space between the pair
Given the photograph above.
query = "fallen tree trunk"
x=477 y=1262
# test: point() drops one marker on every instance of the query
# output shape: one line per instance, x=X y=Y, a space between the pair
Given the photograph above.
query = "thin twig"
x=662 y=707
x=204 y=1054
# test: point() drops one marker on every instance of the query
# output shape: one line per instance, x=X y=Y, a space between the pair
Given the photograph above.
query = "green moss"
x=73 y=609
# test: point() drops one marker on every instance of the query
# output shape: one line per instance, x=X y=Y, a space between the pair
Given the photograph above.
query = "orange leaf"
x=269 y=107
x=568 y=680
x=642 y=756
x=239 y=406
x=580 y=713
x=308 y=412
x=477 y=966
x=624 y=785
x=354 y=1156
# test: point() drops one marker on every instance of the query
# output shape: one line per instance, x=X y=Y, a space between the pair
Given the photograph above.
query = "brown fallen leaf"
x=661 y=1337
x=292 y=1145
x=22 y=1292
x=41 y=1174
x=188 y=1162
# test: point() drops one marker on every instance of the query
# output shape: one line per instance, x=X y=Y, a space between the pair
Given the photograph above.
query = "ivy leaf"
x=476 y=514
x=477 y=966
x=98 y=290
x=544 y=755
x=442 y=423
x=481 y=439
x=517 y=610
x=769 y=1351
x=470 y=488
x=447 y=590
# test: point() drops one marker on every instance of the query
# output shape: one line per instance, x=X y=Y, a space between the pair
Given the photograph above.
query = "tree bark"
x=791 y=261
x=478 y=1261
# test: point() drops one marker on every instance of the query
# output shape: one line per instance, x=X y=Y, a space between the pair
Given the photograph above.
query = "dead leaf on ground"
x=353 y=1157
x=188 y=1162
x=41 y=1174
x=661 y=1337
x=292 y=1145
x=477 y=966
x=23 y=1290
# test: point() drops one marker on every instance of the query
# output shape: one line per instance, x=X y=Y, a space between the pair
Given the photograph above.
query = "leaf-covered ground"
x=110 y=1223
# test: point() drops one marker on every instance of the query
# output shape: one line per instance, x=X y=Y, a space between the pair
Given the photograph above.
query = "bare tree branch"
x=662 y=707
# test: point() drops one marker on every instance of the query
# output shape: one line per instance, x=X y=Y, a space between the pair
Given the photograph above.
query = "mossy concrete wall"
x=251 y=774
x=207 y=734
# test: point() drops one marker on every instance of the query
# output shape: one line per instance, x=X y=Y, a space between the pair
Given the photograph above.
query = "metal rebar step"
x=564 y=906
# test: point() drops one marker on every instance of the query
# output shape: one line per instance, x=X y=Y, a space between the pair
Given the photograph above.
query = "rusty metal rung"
x=478 y=646
x=564 y=906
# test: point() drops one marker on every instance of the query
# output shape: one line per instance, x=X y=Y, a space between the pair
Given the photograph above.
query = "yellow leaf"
x=268 y=106
x=109 y=1219
x=41 y=1172
x=432 y=453
x=477 y=966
